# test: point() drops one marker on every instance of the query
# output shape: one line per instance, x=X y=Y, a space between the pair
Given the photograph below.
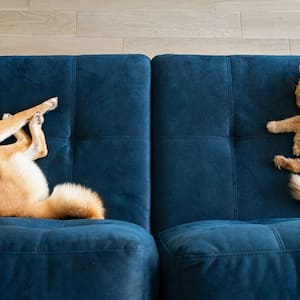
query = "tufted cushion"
x=212 y=156
x=231 y=260
x=75 y=259
x=99 y=134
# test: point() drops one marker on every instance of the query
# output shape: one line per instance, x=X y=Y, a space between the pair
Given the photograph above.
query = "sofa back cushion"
x=99 y=134
x=212 y=156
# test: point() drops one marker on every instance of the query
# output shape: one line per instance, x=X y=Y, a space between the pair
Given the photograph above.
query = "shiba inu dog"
x=24 y=189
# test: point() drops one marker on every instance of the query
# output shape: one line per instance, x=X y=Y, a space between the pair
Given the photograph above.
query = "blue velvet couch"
x=178 y=150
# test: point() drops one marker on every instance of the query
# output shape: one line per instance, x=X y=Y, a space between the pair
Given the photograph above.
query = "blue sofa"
x=178 y=150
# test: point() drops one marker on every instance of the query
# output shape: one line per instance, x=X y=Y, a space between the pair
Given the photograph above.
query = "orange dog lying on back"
x=24 y=189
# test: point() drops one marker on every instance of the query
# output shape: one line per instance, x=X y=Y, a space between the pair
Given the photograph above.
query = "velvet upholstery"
x=76 y=259
x=98 y=136
x=212 y=156
x=231 y=260
x=212 y=173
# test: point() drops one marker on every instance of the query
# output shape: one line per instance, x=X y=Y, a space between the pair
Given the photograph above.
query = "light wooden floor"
x=150 y=27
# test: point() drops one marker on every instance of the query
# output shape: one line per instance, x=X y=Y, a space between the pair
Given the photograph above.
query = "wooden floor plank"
x=276 y=24
x=258 y=5
x=157 y=23
x=14 y=4
x=155 y=46
x=295 y=47
x=49 y=45
x=37 y=23
x=119 y=4
x=150 y=27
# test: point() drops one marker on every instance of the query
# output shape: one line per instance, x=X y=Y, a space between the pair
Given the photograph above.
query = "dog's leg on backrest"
x=10 y=126
x=38 y=147
x=288 y=125
x=290 y=164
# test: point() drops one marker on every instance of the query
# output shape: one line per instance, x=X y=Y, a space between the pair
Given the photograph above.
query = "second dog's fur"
x=23 y=187
x=290 y=164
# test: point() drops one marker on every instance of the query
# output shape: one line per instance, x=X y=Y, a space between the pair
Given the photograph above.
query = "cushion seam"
x=127 y=137
x=198 y=136
x=144 y=278
x=278 y=238
x=162 y=242
x=232 y=147
x=41 y=252
x=42 y=240
x=179 y=277
x=73 y=111
x=222 y=255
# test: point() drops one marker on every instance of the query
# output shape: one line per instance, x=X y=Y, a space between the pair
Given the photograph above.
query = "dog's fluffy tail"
x=294 y=186
x=70 y=200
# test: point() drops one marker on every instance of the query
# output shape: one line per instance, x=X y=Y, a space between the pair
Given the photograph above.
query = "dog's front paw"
x=37 y=119
x=272 y=127
x=281 y=162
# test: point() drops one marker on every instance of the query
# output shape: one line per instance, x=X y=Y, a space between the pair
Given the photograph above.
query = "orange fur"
x=24 y=189
x=293 y=165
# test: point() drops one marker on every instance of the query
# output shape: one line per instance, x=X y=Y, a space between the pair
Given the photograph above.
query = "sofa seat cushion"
x=231 y=260
x=55 y=259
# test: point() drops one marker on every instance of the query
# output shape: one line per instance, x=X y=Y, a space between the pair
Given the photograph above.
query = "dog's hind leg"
x=13 y=124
